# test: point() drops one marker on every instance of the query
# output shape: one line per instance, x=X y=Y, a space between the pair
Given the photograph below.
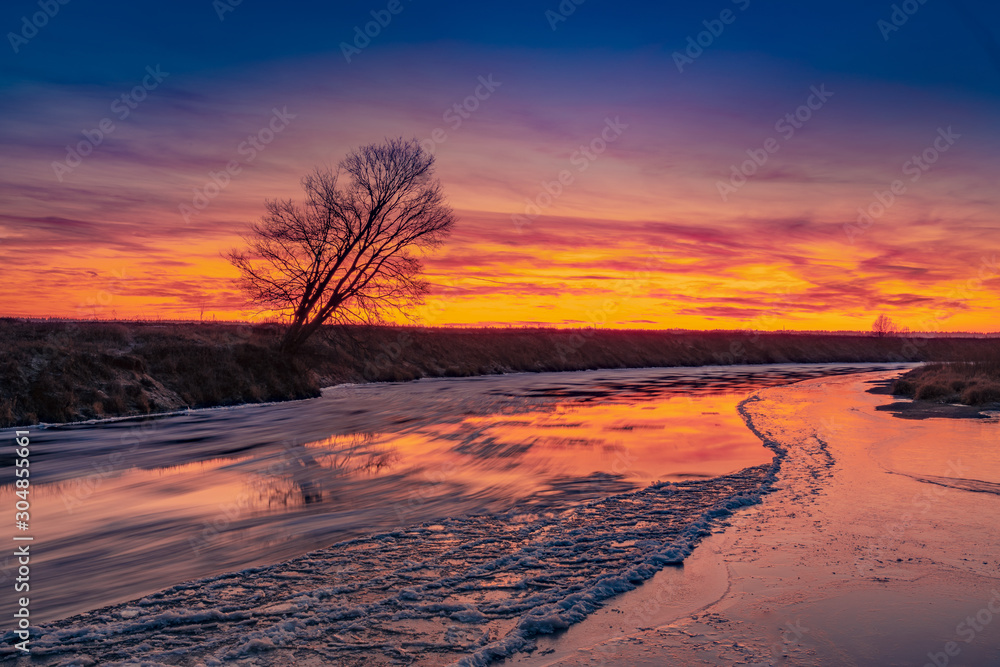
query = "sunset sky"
x=819 y=108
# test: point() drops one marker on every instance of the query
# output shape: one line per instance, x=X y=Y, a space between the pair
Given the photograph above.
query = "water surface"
x=124 y=508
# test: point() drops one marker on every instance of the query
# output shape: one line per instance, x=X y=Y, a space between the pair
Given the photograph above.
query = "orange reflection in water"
x=662 y=439
x=88 y=505
x=115 y=534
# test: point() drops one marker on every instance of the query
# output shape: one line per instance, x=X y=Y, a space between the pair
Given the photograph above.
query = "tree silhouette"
x=346 y=255
x=883 y=326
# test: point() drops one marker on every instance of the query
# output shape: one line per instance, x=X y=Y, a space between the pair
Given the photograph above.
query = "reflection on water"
x=306 y=474
x=639 y=442
x=268 y=488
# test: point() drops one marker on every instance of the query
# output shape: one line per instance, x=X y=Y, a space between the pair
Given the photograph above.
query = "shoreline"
x=334 y=387
x=57 y=373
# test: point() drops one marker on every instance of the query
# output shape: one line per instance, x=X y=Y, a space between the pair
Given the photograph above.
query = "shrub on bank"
x=975 y=382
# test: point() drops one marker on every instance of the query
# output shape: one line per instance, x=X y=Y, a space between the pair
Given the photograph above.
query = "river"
x=123 y=508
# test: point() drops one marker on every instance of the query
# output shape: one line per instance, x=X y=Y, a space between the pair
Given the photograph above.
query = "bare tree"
x=345 y=256
x=883 y=326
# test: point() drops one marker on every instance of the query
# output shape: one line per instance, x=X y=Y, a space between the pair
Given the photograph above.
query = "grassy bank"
x=57 y=371
x=974 y=382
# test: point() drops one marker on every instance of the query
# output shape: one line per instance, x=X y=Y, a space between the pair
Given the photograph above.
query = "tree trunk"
x=297 y=334
x=292 y=340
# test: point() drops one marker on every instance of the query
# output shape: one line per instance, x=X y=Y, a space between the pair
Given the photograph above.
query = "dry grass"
x=972 y=382
x=56 y=372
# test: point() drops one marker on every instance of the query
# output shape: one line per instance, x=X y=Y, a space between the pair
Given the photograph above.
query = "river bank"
x=55 y=372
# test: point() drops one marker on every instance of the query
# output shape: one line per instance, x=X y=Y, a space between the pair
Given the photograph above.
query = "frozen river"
x=121 y=509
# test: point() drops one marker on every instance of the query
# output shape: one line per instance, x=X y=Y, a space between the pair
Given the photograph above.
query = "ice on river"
x=465 y=590
x=454 y=585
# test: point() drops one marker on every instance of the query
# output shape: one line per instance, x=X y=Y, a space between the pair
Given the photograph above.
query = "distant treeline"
x=506 y=327
x=68 y=371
